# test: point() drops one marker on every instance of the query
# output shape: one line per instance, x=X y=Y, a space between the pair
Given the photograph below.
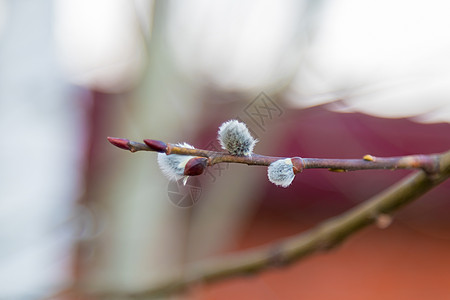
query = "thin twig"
x=323 y=237
x=427 y=163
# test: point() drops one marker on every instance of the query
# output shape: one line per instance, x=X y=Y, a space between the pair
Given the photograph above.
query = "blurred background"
x=335 y=79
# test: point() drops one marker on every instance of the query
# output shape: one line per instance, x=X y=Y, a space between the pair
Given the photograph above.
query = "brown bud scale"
x=195 y=166
x=297 y=164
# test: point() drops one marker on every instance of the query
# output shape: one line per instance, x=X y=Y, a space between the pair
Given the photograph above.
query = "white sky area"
x=40 y=167
x=236 y=44
x=387 y=58
x=100 y=42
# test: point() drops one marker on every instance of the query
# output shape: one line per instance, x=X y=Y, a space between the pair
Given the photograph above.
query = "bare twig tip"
x=156 y=145
x=120 y=143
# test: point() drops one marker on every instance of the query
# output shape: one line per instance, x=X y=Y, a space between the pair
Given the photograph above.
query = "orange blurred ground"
x=399 y=262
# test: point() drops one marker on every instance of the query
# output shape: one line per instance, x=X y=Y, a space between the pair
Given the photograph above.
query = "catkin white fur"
x=172 y=166
x=281 y=172
x=236 y=139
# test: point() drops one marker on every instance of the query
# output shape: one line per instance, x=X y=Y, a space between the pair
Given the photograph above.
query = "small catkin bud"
x=281 y=172
x=236 y=139
x=173 y=165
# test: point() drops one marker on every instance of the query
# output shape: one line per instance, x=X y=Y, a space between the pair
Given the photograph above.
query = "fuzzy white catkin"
x=281 y=172
x=236 y=139
x=172 y=166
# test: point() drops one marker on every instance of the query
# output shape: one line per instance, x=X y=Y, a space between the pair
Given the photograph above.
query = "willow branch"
x=323 y=237
x=428 y=163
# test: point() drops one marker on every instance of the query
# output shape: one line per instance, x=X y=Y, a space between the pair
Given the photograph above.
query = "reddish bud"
x=297 y=164
x=155 y=145
x=118 y=142
x=195 y=166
